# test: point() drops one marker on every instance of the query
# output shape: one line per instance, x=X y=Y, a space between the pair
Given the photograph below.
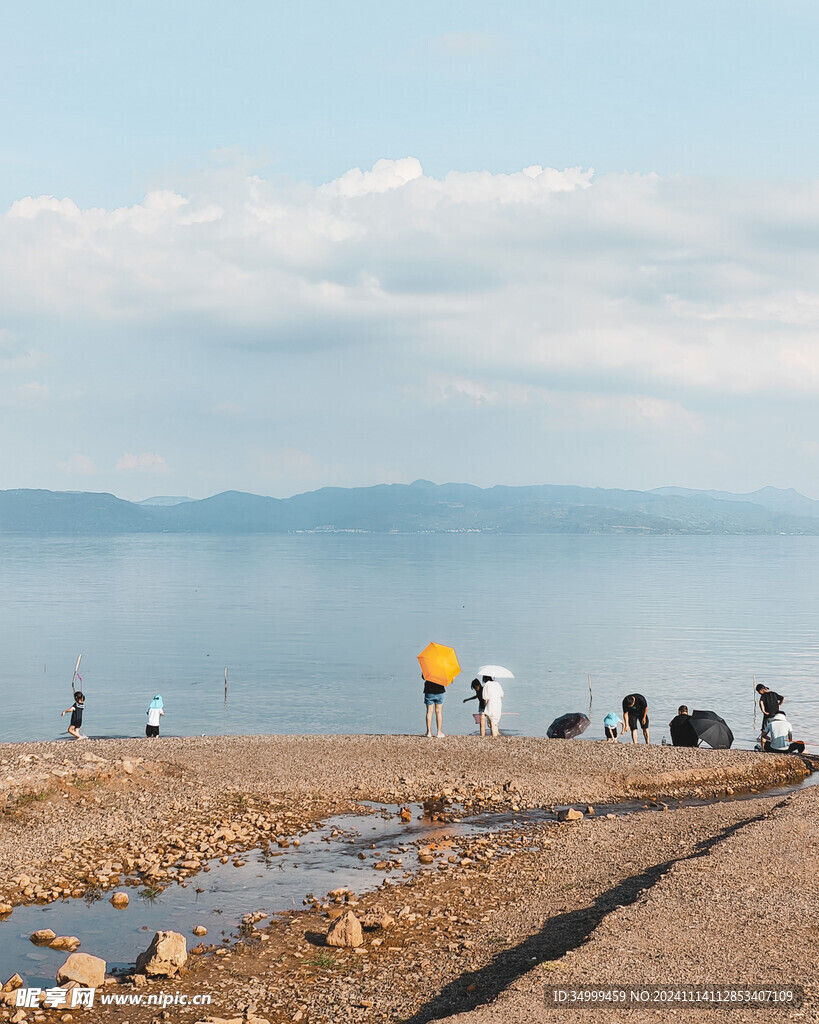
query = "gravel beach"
x=679 y=895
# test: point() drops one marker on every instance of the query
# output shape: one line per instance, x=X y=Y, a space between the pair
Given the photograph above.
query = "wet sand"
x=484 y=933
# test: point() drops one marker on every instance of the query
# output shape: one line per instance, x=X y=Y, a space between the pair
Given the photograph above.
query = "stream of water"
x=271 y=881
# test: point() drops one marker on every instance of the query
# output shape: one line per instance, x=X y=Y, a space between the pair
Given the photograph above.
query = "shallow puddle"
x=271 y=881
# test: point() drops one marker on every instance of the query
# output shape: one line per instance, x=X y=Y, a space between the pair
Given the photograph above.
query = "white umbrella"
x=496 y=671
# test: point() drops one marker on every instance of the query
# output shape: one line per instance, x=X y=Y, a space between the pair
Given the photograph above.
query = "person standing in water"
x=76 y=710
x=155 y=712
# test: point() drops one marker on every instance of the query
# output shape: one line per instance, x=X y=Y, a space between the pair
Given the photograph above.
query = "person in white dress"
x=493 y=695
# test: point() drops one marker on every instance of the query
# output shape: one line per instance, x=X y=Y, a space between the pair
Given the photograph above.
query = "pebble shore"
x=103 y=815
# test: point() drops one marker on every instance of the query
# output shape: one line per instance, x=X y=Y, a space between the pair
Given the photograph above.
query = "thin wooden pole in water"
x=591 y=695
x=225 y=685
x=755 y=704
x=76 y=670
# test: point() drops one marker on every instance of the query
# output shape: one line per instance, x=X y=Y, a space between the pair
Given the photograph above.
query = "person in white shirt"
x=155 y=712
x=777 y=736
x=493 y=695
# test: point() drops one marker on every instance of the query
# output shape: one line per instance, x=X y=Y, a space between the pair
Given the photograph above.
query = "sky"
x=273 y=247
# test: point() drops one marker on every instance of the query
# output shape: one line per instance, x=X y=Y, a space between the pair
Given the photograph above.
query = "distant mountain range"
x=421 y=507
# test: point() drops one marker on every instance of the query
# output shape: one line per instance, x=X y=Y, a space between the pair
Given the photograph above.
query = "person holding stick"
x=76 y=710
x=480 y=715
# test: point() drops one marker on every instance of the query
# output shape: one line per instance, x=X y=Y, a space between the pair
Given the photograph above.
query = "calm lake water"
x=320 y=632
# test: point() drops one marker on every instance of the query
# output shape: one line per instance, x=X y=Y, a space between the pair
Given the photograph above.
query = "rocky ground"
x=479 y=925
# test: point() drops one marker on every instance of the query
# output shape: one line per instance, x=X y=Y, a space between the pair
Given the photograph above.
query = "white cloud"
x=464 y=44
x=78 y=465
x=539 y=276
x=142 y=463
x=33 y=390
x=385 y=176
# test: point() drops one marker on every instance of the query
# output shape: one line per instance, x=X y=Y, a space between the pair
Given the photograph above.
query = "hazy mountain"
x=163 y=500
x=420 y=507
x=25 y=511
x=787 y=502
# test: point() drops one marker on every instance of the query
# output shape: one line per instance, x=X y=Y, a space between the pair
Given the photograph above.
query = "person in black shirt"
x=682 y=731
x=769 y=704
x=635 y=712
x=76 y=710
x=434 y=698
x=477 y=686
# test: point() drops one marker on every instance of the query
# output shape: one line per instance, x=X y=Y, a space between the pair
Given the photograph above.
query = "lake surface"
x=319 y=632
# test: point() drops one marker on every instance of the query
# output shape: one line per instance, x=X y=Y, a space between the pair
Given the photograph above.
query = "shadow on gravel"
x=558 y=936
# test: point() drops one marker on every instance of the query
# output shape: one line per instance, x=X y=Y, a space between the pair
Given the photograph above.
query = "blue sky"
x=270 y=247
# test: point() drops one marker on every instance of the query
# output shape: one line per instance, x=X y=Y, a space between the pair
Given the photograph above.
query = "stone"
x=66 y=942
x=119 y=900
x=165 y=955
x=5 y=908
x=86 y=970
x=42 y=937
x=200 y=929
x=14 y=982
x=569 y=814
x=346 y=931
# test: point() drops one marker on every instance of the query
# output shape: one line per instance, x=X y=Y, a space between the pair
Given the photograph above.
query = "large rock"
x=66 y=942
x=166 y=954
x=42 y=936
x=346 y=931
x=88 y=971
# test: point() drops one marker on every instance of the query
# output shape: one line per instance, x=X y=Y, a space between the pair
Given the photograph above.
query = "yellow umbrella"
x=439 y=664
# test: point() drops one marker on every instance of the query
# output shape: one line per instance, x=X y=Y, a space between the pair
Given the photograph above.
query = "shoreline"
x=113 y=813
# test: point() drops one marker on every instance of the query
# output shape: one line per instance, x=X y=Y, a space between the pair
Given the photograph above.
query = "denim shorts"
x=434 y=698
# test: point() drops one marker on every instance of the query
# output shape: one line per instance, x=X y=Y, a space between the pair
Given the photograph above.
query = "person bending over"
x=635 y=712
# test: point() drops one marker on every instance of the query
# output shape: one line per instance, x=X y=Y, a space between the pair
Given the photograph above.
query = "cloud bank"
x=541 y=274
x=565 y=301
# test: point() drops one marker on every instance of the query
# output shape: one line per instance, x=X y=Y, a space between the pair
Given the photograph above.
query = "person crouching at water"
x=76 y=710
x=434 y=698
x=635 y=712
x=478 y=696
x=155 y=712
x=493 y=695
x=777 y=736
x=611 y=723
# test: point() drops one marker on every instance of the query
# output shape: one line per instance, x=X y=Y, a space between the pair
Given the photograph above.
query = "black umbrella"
x=568 y=726
x=712 y=729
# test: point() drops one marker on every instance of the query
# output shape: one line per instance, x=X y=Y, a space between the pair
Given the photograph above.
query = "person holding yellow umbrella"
x=439 y=666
